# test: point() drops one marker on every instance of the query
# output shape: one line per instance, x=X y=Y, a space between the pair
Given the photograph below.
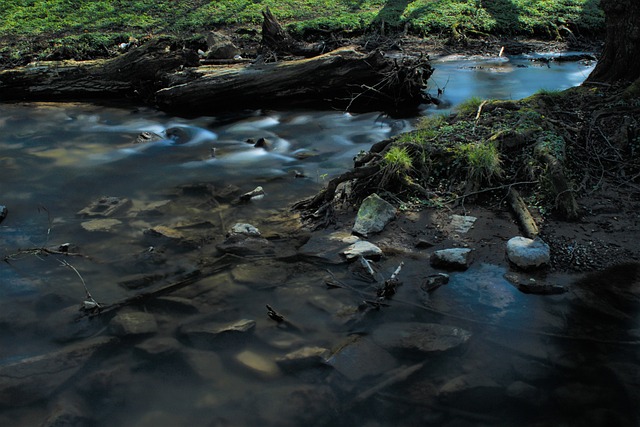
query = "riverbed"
x=515 y=360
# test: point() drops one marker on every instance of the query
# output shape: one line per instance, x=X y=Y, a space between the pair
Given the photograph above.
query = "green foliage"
x=482 y=159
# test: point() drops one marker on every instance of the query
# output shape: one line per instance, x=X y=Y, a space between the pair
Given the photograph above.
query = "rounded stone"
x=527 y=253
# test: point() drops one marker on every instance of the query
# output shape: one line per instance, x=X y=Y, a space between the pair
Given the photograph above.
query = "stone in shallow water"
x=212 y=335
x=135 y=323
x=303 y=358
x=528 y=253
x=159 y=347
x=259 y=365
x=360 y=357
x=106 y=224
x=420 y=337
x=362 y=249
x=374 y=214
x=455 y=258
x=327 y=246
x=104 y=207
x=473 y=392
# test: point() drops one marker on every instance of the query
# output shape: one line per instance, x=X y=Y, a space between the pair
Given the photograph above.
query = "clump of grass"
x=397 y=160
x=483 y=161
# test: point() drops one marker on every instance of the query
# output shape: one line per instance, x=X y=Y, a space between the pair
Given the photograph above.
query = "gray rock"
x=146 y=137
x=362 y=248
x=454 y=259
x=258 y=364
x=36 y=378
x=69 y=410
x=220 y=46
x=374 y=214
x=528 y=253
x=244 y=229
x=133 y=323
x=260 y=274
x=420 y=337
x=529 y=285
x=303 y=358
x=360 y=357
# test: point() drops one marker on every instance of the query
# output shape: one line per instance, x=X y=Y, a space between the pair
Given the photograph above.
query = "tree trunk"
x=343 y=79
x=276 y=40
x=620 y=59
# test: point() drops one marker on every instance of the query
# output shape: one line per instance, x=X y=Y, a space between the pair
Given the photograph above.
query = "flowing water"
x=55 y=159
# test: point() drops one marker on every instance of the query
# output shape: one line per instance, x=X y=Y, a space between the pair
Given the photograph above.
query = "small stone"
x=256 y=193
x=304 y=358
x=528 y=253
x=374 y=214
x=433 y=282
x=327 y=246
x=212 y=335
x=455 y=258
x=245 y=229
x=258 y=364
x=473 y=392
x=243 y=245
x=167 y=232
x=132 y=324
x=362 y=249
x=533 y=286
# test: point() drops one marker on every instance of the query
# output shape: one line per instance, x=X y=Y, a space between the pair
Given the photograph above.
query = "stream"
x=208 y=354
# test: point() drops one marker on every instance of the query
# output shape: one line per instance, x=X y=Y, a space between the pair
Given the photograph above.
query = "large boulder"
x=374 y=214
x=528 y=253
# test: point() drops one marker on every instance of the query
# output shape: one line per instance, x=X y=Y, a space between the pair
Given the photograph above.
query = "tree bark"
x=343 y=79
x=620 y=59
x=276 y=40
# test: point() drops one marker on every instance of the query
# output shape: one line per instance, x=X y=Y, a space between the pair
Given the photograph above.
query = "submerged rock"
x=36 y=378
x=433 y=282
x=105 y=206
x=533 y=286
x=303 y=358
x=374 y=214
x=473 y=392
x=213 y=334
x=528 y=253
x=327 y=247
x=132 y=324
x=360 y=357
x=106 y=224
x=420 y=337
x=258 y=364
x=455 y=258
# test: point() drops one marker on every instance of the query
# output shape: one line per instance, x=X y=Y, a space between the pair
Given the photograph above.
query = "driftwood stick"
x=525 y=220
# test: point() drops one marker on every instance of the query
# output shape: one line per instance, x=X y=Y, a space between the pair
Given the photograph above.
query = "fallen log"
x=131 y=75
x=343 y=79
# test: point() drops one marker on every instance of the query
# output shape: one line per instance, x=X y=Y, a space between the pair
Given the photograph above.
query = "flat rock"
x=207 y=365
x=360 y=357
x=303 y=358
x=36 y=378
x=454 y=258
x=374 y=214
x=166 y=232
x=462 y=223
x=362 y=249
x=260 y=274
x=327 y=246
x=133 y=323
x=528 y=253
x=213 y=334
x=259 y=365
x=434 y=281
x=243 y=245
x=106 y=224
x=529 y=285
x=420 y=337
x=104 y=207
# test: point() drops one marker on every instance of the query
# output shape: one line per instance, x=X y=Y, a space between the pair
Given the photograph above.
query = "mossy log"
x=525 y=220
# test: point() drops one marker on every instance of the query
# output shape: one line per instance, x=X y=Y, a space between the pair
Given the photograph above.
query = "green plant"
x=470 y=106
x=482 y=160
